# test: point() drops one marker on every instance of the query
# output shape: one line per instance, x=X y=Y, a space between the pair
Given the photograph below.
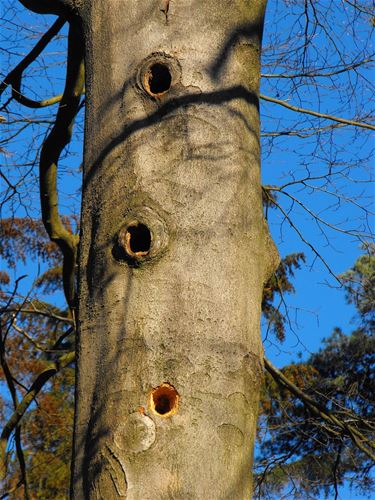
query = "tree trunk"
x=174 y=251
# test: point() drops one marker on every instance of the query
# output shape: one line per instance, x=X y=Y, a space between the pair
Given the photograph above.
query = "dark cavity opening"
x=139 y=239
x=164 y=400
x=159 y=79
x=163 y=405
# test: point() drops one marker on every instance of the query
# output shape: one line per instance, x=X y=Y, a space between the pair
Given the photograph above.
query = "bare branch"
x=21 y=408
x=14 y=78
x=59 y=7
x=319 y=73
x=32 y=341
x=360 y=8
x=317 y=114
x=317 y=218
x=21 y=461
x=287 y=217
x=12 y=389
x=56 y=141
x=46 y=314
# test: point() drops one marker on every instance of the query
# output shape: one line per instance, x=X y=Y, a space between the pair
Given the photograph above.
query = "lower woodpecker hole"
x=163 y=405
x=164 y=400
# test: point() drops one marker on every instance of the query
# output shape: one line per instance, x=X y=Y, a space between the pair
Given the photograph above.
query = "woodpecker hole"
x=164 y=400
x=158 y=79
x=138 y=240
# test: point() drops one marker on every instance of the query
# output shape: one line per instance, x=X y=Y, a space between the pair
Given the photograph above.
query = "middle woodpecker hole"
x=138 y=239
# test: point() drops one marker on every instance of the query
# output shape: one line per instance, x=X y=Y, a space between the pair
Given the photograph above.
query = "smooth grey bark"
x=180 y=311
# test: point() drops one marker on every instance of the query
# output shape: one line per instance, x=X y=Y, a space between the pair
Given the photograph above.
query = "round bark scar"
x=136 y=433
x=231 y=435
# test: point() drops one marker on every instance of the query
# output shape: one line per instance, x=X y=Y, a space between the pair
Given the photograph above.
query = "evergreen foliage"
x=301 y=455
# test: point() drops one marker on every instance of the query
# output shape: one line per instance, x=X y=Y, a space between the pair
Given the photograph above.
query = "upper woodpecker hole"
x=158 y=79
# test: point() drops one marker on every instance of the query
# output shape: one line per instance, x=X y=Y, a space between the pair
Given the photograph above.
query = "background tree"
x=305 y=456
x=327 y=166
x=35 y=334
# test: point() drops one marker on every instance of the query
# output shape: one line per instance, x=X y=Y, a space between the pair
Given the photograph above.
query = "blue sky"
x=319 y=304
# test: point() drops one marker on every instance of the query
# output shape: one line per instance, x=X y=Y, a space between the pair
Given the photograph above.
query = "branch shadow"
x=215 y=98
x=244 y=33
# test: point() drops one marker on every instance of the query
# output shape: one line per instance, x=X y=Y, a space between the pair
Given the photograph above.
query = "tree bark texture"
x=174 y=251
